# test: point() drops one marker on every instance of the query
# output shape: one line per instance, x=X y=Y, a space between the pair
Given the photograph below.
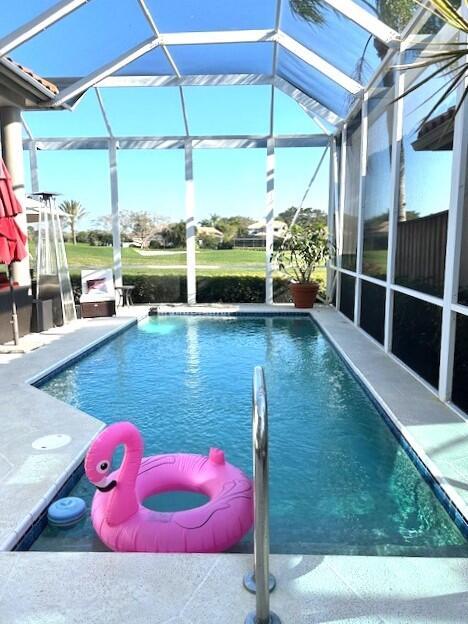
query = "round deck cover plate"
x=50 y=442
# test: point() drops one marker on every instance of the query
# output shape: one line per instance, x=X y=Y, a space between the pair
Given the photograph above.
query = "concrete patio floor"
x=93 y=588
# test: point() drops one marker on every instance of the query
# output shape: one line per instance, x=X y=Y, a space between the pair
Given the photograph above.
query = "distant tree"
x=174 y=234
x=139 y=225
x=214 y=218
x=145 y=226
x=98 y=238
x=104 y=222
x=73 y=212
x=206 y=241
x=307 y=216
x=236 y=225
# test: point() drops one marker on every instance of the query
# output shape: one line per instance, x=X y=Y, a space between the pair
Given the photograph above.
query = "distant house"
x=256 y=234
x=259 y=229
x=209 y=231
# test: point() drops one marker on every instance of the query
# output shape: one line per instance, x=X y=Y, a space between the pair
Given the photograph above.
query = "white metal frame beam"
x=360 y=223
x=366 y=20
x=106 y=70
x=198 y=80
x=397 y=138
x=217 y=36
x=178 y=142
x=103 y=112
x=313 y=108
x=331 y=217
x=269 y=218
x=33 y=167
x=190 y=226
x=320 y=64
x=38 y=24
x=114 y=187
x=457 y=213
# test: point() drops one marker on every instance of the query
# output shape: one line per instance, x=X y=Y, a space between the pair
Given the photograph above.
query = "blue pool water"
x=340 y=482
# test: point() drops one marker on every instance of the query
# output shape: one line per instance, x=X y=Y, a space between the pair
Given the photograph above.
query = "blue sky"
x=227 y=181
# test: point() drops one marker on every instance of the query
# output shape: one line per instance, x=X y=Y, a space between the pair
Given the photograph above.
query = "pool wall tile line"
x=36 y=528
x=232 y=314
x=41 y=378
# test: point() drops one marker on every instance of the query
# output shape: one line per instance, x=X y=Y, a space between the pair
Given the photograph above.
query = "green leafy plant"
x=210 y=289
x=303 y=250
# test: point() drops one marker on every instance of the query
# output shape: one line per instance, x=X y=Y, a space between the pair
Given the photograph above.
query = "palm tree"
x=74 y=211
x=214 y=219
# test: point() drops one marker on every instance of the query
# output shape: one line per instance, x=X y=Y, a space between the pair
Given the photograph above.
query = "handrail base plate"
x=250 y=585
x=252 y=619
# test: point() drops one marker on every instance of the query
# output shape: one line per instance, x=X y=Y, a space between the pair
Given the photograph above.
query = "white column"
x=360 y=224
x=331 y=214
x=12 y=152
x=190 y=230
x=34 y=167
x=340 y=215
x=114 y=188
x=397 y=135
x=270 y=212
x=458 y=199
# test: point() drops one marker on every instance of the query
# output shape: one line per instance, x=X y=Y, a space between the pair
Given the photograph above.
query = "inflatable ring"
x=125 y=525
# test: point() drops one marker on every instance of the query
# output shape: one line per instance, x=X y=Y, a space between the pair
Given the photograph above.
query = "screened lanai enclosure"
x=394 y=167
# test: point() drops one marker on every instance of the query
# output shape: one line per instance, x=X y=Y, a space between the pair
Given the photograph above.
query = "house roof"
x=209 y=231
x=29 y=72
x=262 y=223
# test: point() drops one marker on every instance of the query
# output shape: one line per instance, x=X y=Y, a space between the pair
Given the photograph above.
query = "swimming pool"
x=339 y=480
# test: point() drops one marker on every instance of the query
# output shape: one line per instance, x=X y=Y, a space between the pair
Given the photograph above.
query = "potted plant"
x=303 y=249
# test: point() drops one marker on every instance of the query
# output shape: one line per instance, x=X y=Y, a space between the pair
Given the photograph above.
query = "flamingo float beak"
x=106 y=486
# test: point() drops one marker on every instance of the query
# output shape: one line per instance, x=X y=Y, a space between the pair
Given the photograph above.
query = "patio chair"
x=98 y=293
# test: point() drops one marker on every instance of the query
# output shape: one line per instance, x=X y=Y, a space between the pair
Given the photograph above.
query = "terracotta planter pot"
x=304 y=295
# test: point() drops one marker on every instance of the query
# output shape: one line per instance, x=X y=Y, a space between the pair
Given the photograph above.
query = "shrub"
x=210 y=289
x=226 y=244
x=208 y=242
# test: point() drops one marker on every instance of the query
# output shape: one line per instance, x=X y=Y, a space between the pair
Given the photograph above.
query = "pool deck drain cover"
x=51 y=442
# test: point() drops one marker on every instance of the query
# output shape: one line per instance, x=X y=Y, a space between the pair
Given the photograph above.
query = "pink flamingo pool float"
x=125 y=525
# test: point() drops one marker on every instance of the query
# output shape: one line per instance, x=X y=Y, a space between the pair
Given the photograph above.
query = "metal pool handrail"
x=260 y=582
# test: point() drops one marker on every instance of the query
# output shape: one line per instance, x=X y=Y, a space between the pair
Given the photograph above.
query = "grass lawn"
x=209 y=262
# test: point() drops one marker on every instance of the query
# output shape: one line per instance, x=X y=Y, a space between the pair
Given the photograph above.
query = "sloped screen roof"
x=326 y=49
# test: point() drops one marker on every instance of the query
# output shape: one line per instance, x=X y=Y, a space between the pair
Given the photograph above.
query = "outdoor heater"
x=52 y=275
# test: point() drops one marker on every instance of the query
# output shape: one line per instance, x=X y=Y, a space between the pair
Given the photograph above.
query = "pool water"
x=339 y=480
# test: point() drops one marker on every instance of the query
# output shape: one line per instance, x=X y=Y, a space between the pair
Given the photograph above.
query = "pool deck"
x=93 y=588
x=191 y=589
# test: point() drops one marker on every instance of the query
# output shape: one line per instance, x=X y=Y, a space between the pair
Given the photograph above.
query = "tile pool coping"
x=446 y=494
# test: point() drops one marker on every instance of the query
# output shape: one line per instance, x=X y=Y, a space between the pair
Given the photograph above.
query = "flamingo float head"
x=98 y=462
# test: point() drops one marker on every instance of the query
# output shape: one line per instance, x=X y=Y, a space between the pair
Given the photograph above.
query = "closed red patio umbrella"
x=12 y=238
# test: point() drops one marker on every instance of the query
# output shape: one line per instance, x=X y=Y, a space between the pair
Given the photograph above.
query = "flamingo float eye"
x=102 y=466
